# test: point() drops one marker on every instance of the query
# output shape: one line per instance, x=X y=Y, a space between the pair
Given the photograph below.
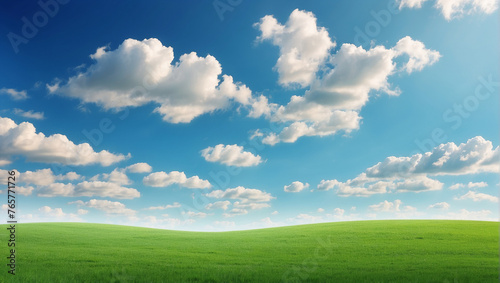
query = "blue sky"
x=228 y=115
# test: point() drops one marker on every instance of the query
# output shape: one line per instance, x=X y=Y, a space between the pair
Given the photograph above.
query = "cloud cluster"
x=23 y=140
x=342 y=87
x=231 y=155
x=478 y=197
x=411 y=174
x=174 y=205
x=455 y=8
x=162 y=179
x=248 y=199
x=88 y=189
x=109 y=207
x=142 y=72
x=243 y=194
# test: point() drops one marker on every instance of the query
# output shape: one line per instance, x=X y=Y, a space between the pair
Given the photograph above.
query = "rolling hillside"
x=361 y=251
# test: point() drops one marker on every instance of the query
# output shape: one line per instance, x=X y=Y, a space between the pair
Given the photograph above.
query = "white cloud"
x=411 y=3
x=218 y=205
x=22 y=139
x=14 y=94
x=243 y=194
x=235 y=212
x=321 y=210
x=139 y=168
x=478 y=197
x=360 y=187
x=440 y=205
x=174 y=205
x=387 y=206
x=465 y=214
x=117 y=176
x=475 y=156
x=303 y=46
x=411 y=174
x=231 y=155
x=224 y=223
x=455 y=8
x=162 y=179
x=30 y=114
x=296 y=187
x=470 y=185
x=109 y=207
x=275 y=212
x=44 y=177
x=339 y=212
x=141 y=72
x=88 y=189
x=336 y=94
x=25 y=191
x=82 y=211
x=251 y=205
x=47 y=213
x=193 y=214
x=419 y=55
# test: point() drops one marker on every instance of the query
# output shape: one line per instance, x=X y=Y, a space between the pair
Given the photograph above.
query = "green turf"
x=360 y=251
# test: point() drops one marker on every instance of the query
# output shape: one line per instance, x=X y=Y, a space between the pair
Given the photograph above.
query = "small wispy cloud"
x=14 y=94
x=30 y=114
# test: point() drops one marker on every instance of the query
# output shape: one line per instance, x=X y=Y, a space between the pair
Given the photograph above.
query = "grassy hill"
x=361 y=251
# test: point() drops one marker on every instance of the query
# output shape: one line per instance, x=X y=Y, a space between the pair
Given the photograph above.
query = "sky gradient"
x=227 y=115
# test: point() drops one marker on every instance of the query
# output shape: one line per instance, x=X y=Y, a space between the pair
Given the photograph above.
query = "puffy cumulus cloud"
x=478 y=197
x=295 y=187
x=475 y=156
x=303 y=45
x=387 y=206
x=243 y=194
x=141 y=167
x=30 y=114
x=88 y=189
x=218 y=205
x=231 y=155
x=23 y=140
x=411 y=174
x=419 y=55
x=337 y=94
x=14 y=94
x=44 y=177
x=440 y=205
x=320 y=210
x=174 y=205
x=455 y=8
x=109 y=207
x=162 y=179
x=142 y=72
x=470 y=185
x=117 y=176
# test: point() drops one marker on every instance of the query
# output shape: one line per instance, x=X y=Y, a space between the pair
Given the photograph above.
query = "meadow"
x=358 y=251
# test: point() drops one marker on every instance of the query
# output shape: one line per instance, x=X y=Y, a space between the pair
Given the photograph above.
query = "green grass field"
x=360 y=251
